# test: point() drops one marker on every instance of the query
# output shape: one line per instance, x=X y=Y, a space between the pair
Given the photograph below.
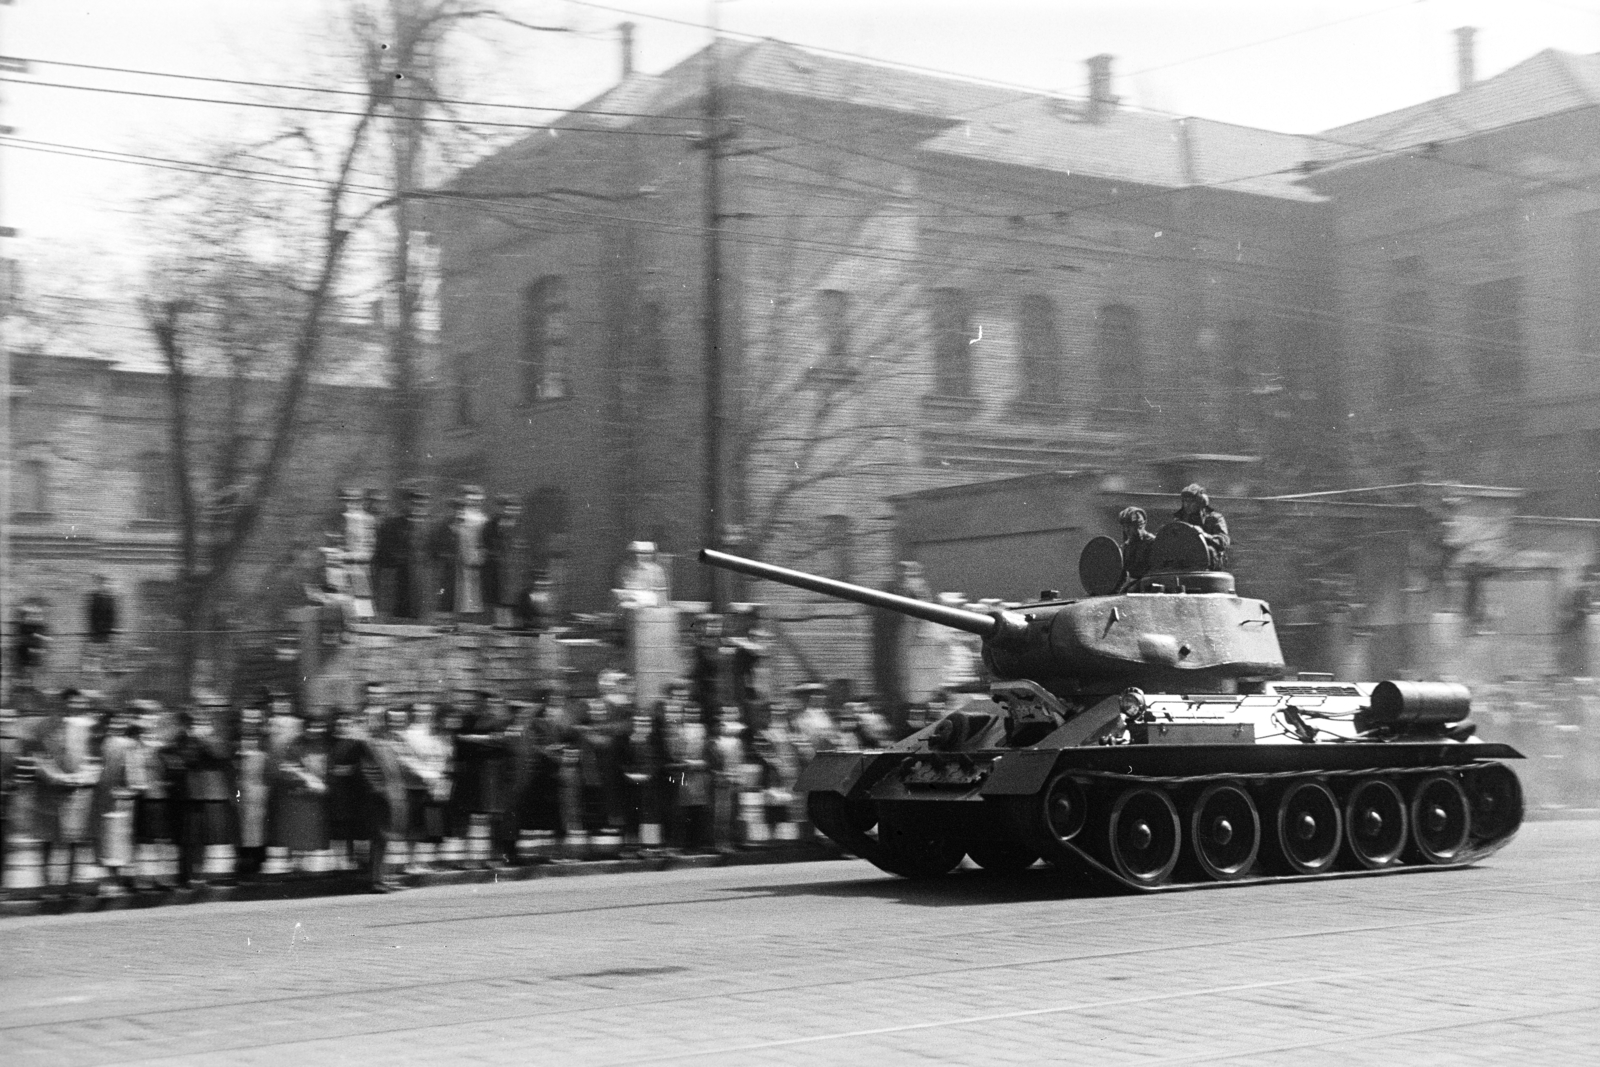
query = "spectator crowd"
x=127 y=798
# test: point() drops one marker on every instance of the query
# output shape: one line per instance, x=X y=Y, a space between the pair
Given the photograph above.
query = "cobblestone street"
x=834 y=962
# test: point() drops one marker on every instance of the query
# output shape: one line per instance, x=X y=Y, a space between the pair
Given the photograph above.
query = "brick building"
x=925 y=282
x=1467 y=231
x=92 y=494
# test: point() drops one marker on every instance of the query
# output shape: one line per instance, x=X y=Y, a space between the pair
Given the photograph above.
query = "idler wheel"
x=1307 y=828
x=1495 y=797
x=1225 y=831
x=846 y=822
x=1375 y=823
x=1001 y=854
x=1144 y=835
x=1441 y=820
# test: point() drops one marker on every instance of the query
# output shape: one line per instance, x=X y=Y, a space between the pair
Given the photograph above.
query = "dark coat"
x=506 y=562
x=102 y=616
x=402 y=559
x=1136 y=553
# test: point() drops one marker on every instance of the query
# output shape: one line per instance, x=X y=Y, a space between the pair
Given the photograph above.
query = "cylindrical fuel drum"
x=1420 y=703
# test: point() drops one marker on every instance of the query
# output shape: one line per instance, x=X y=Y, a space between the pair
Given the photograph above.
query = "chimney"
x=1101 y=102
x=626 y=29
x=1465 y=74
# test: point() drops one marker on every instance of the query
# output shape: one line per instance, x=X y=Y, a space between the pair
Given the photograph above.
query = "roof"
x=1545 y=84
x=970 y=119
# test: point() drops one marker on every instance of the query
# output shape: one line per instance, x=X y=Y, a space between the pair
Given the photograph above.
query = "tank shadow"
x=966 y=887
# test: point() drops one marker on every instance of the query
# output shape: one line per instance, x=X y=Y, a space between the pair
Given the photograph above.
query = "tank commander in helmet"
x=1194 y=508
x=1136 y=543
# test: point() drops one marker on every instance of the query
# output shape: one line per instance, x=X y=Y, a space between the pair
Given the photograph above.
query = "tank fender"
x=1088 y=727
x=1020 y=773
x=845 y=772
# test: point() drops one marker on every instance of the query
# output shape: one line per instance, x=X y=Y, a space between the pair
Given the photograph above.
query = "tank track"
x=1153 y=833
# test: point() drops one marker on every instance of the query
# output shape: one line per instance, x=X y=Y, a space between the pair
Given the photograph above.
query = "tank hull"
x=1160 y=817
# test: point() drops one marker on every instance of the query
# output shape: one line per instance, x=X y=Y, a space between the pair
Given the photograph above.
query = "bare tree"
x=217 y=313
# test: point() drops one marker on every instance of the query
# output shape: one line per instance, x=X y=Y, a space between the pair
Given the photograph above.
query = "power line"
x=497 y=205
x=353 y=92
x=357 y=114
x=1279 y=37
x=821 y=50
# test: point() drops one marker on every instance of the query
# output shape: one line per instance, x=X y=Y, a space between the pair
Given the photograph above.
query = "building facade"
x=93 y=494
x=1467 y=237
x=923 y=282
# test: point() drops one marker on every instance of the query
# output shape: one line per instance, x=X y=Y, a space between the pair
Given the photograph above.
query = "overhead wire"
x=813 y=244
x=819 y=245
x=398 y=98
x=1279 y=37
x=307 y=109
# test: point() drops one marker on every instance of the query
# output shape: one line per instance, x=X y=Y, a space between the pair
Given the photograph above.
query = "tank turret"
x=1144 y=734
x=1181 y=629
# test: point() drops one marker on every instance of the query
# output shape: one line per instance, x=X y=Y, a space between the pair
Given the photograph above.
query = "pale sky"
x=1335 y=61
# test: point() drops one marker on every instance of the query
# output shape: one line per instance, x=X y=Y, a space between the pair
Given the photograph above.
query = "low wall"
x=427 y=662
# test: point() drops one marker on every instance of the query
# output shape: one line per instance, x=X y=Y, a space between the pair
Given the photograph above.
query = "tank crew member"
x=1195 y=509
x=1136 y=542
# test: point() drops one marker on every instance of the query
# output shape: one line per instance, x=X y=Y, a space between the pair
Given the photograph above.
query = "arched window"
x=155 y=487
x=544 y=341
x=836 y=546
x=952 y=342
x=655 y=361
x=1120 y=356
x=463 y=406
x=1494 y=330
x=1039 y=351
x=833 y=322
x=33 y=487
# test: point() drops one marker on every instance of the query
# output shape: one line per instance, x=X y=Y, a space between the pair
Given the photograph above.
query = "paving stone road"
x=834 y=962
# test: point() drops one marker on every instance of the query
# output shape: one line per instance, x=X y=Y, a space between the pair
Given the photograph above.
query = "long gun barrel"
x=972 y=622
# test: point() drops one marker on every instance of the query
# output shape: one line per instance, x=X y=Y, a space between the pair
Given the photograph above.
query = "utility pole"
x=11 y=287
x=714 y=518
x=403 y=94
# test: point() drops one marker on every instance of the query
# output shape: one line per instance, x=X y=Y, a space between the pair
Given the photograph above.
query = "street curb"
x=348 y=883
x=1561 y=815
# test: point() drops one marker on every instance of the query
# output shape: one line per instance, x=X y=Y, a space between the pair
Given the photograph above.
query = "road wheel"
x=1144 y=835
x=1375 y=823
x=1225 y=831
x=1441 y=820
x=1495 y=796
x=1306 y=832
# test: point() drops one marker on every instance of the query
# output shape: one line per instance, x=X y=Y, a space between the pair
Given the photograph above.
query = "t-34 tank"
x=1144 y=734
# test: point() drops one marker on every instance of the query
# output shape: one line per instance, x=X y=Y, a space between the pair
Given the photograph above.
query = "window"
x=33 y=487
x=1408 y=322
x=1119 y=356
x=155 y=487
x=1040 y=351
x=1586 y=280
x=1241 y=368
x=462 y=408
x=952 y=342
x=654 y=359
x=544 y=341
x=547 y=515
x=1494 y=334
x=834 y=545
x=833 y=311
